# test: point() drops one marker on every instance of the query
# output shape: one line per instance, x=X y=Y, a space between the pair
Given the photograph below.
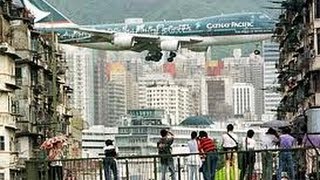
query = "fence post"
x=155 y=168
x=179 y=168
x=31 y=170
x=127 y=169
x=100 y=170
x=317 y=166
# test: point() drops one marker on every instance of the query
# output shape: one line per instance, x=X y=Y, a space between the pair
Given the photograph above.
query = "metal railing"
x=248 y=165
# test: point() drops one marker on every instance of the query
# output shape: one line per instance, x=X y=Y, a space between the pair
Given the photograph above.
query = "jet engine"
x=124 y=41
x=170 y=45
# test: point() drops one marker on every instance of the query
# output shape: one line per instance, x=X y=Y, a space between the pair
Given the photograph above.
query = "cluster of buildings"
x=299 y=66
x=235 y=86
x=47 y=89
x=34 y=93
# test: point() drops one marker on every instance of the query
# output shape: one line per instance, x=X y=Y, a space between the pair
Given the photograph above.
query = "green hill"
x=110 y=11
x=115 y=11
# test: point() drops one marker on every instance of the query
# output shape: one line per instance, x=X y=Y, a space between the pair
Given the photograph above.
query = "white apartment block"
x=93 y=139
x=174 y=99
x=271 y=96
x=8 y=155
x=148 y=80
x=80 y=73
x=243 y=99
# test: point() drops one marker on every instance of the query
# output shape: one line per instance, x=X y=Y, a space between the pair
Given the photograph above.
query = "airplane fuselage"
x=209 y=31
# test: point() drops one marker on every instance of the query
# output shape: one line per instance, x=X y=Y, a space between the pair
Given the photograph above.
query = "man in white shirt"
x=193 y=160
x=230 y=143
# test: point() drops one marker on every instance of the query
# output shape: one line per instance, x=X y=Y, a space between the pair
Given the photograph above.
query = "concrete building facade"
x=247 y=70
x=243 y=99
x=272 y=96
x=219 y=97
x=80 y=74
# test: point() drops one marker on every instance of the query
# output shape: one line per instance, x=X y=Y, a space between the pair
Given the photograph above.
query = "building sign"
x=146 y=113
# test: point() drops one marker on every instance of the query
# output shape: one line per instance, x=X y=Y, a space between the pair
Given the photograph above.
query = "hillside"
x=110 y=11
x=115 y=11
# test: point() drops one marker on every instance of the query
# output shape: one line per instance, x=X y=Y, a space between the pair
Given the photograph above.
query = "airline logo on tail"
x=39 y=14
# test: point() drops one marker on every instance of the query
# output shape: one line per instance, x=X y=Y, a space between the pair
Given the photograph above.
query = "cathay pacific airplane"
x=154 y=37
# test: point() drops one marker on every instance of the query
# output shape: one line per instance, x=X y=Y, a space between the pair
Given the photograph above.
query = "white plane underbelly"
x=206 y=41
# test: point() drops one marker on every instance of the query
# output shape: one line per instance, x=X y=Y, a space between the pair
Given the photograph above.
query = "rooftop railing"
x=248 y=165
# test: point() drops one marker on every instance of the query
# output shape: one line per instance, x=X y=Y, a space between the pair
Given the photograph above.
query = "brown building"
x=298 y=33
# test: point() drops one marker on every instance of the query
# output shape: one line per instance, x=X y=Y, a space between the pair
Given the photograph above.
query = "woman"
x=249 y=156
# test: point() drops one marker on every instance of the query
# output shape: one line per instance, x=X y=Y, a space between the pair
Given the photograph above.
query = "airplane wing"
x=141 y=41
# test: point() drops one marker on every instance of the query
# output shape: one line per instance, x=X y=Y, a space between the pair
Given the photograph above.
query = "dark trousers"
x=209 y=166
x=247 y=165
x=110 y=165
x=55 y=173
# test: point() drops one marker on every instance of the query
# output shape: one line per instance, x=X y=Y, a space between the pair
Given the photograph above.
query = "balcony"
x=7 y=121
x=315 y=65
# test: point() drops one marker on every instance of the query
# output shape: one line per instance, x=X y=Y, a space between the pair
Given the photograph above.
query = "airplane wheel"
x=156 y=58
x=170 y=59
x=172 y=54
x=148 y=58
x=256 y=52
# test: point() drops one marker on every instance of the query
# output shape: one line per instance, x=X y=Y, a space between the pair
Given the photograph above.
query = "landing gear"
x=154 y=56
x=171 y=57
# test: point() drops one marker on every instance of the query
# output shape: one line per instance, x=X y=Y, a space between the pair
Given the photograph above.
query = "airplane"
x=154 y=37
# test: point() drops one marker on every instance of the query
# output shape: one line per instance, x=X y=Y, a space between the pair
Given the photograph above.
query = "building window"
x=317 y=5
x=318 y=40
x=2 y=144
x=18 y=73
x=1 y=176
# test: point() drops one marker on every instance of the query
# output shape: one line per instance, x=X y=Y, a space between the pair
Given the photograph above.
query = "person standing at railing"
x=312 y=143
x=249 y=157
x=285 y=156
x=110 y=163
x=194 y=159
x=269 y=141
x=230 y=144
x=165 y=150
x=207 y=149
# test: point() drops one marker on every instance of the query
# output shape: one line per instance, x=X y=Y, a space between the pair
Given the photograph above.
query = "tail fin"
x=45 y=12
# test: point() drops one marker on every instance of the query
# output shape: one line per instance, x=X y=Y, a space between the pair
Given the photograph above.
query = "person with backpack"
x=230 y=146
x=165 y=150
x=207 y=149
x=110 y=163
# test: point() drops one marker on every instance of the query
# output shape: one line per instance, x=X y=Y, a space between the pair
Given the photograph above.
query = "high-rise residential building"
x=189 y=63
x=243 y=99
x=148 y=80
x=100 y=87
x=272 y=97
x=116 y=93
x=161 y=92
x=219 y=97
x=194 y=84
x=121 y=92
x=247 y=70
x=80 y=73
